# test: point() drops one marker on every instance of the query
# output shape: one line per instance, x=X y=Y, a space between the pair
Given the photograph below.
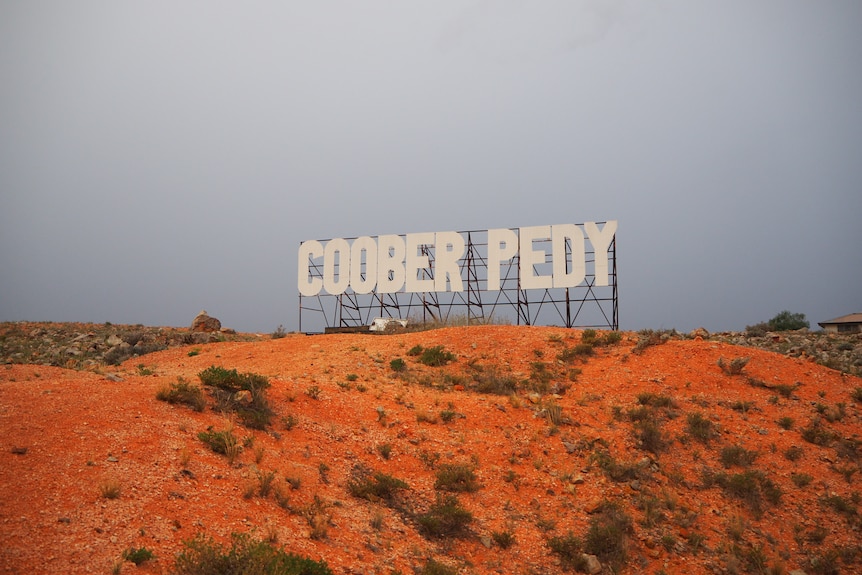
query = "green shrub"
x=700 y=427
x=374 y=486
x=415 y=350
x=655 y=400
x=649 y=435
x=436 y=356
x=794 y=453
x=786 y=321
x=137 y=556
x=785 y=422
x=737 y=455
x=615 y=470
x=751 y=487
x=839 y=504
x=203 y=556
x=184 y=393
x=817 y=434
x=446 y=518
x=456 y=478
x=231 y=380
x=608 y=533
x=570 y=550
x=580 y=351
x=856 y=394
x=504 y=539
x=785 y=390
x=253 y=407
x=800 y=479
x=436 y=568
x=398 y=365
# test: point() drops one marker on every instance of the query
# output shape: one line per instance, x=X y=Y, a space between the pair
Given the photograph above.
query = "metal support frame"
x=586 y=305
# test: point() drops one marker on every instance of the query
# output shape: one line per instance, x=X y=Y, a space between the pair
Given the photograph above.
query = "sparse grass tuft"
x=735 y=367
x=110 y=489
x=492 y=381
x=223 y=442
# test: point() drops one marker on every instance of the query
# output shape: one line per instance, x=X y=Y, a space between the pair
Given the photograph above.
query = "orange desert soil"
x=66 y=434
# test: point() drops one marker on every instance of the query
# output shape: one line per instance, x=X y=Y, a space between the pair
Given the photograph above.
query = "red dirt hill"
x=714 y=472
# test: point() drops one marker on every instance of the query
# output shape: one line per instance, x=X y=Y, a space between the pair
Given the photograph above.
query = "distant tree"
x=785 y=321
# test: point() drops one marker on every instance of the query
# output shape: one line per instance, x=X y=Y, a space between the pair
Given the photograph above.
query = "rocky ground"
x=88 y=346
x=91 y=346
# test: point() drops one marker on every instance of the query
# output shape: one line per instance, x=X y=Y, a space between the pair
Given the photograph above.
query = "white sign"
x=392 y=263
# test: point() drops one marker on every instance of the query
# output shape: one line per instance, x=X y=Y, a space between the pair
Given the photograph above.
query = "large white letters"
x=531 y=257
x=433 y=262
x=559 y=235
x=390 y=264
x=502 y=246
x=308 y=285
x=449 y=248
x=601 y=241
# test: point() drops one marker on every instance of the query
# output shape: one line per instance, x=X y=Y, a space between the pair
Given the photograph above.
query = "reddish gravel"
x=80 y=430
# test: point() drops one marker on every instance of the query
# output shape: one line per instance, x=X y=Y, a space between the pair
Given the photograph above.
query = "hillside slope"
x=652 y=461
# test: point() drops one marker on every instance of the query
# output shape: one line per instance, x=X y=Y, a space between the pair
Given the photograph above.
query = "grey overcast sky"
x=162 y=157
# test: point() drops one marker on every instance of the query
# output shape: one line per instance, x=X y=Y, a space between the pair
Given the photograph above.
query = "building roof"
x=849 y=318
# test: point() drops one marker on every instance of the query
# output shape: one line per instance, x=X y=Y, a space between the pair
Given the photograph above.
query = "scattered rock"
x=205 y=323
x=593 y=565
x=19 y=450
x=243 y=396
x=113 y=377
x=699 y=333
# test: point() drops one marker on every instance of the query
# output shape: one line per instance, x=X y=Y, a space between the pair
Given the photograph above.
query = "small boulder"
x=592 y=564
x=700 y=332
x=205 y=322
x=243 y=396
